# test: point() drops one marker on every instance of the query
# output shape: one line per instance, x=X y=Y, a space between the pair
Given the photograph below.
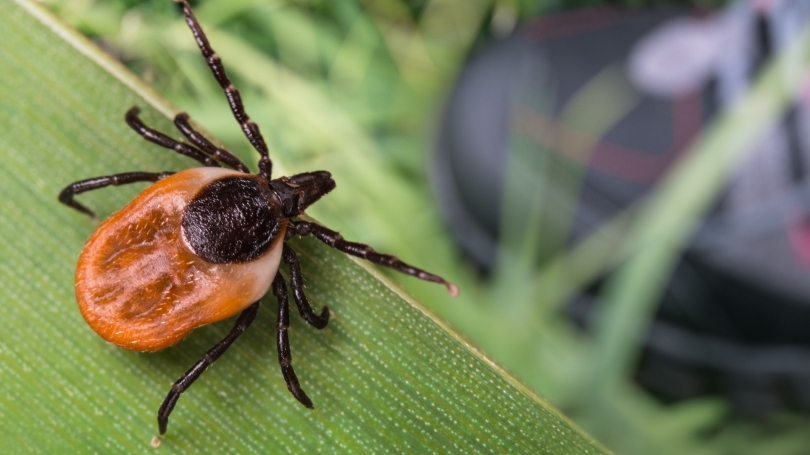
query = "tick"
x=201 y=245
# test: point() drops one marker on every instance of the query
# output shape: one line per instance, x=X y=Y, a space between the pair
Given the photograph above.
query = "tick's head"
x=301 y=190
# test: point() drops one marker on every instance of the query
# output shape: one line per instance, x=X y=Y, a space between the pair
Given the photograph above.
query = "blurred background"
x=619 y=188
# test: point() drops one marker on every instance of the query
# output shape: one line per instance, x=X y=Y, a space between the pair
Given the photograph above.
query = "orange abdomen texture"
x=139 y=285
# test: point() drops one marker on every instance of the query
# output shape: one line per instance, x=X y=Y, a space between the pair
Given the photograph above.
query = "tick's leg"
x=297 y=286
x=250 y=129
x=162 y=140
x=207 y=359
x=284 y=355
x=221 y=155
x=335 y=240
x=66 y=196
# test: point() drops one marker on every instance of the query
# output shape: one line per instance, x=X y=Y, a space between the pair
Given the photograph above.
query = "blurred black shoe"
x=735 y=317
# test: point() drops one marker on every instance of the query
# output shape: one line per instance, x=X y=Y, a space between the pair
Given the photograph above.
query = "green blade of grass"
x=385 y=375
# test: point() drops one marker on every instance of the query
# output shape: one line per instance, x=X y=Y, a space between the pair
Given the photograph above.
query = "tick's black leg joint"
x=156 y=137
x=284 y=355
x=302 y=229
x=185 y=381
x=181 y=121
x=67 y=194
x=265 y=167
x=364 y=251
x=250 y=129
x=318 y=321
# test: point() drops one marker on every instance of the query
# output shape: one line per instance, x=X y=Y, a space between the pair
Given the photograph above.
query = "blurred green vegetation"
x=355 y=87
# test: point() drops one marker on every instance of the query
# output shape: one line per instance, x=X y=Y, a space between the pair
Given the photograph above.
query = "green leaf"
x=386 y=376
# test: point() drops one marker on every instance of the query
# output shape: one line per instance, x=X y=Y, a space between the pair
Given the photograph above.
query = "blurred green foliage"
x=355 y=87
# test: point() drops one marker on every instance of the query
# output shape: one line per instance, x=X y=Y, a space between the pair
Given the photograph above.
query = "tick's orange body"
x=141 y=287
